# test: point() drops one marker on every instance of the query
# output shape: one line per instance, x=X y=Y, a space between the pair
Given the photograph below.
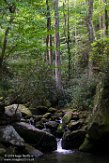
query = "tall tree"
x=65 y=18
x=68 y=40
x=90 y=22
x=91 y=32
x=106 y=18
x=11 y=8
x=57 y=49
x=49 y=36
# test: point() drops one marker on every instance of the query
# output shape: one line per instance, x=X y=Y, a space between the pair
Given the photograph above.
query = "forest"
x=54 y=81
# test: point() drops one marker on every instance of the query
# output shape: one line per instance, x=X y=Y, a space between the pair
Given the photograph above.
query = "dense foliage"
x=26 y=76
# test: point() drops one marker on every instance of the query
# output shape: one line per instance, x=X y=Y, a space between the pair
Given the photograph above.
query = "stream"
x=70 y=156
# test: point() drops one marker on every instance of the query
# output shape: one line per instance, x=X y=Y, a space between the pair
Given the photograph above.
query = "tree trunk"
x=91 y=33
x=106 y=19
x=68 y=43
x=90 y=23
x=12 y=9
x=57 y=50
x=65 y=19
x=49 y=36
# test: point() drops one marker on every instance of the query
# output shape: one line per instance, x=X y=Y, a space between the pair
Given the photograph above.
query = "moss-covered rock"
x=98 y=127
x=86 y=145
x=37 y=117
x=67 y=117
x=47 y=115
x=2 y=151
x=17 y=110
x=60 y=130
x=73 y=140
x=74 y=125
x=39 y=125
x=52 y=110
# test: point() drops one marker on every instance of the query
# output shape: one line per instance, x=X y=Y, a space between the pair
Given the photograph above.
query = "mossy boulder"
x=39 y=125
x=73 y=140
x=60 y=130
x=17 y=110
x=75 y=116
x=2 y=151
x=52 y=110
x=98 y=126
x=67 y=117
x=86 y=145
x=37 y=117
x=24 y=110
x=74 y=125
x=47 y=115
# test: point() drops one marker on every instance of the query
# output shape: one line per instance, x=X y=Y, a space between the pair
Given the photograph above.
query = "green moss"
x=86 y=146
x=2 y=151
x=67 y=117
x=60 y=128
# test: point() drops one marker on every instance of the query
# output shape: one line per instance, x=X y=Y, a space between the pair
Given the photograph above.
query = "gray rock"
x=9 y=135
x=41 y=140
x=32 y=151
x=73 y=140
x=74 y=125
x=11 y=112
x=52 y=124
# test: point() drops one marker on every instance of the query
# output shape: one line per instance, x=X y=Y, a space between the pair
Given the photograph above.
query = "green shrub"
x=100 y=54
x=80 y=92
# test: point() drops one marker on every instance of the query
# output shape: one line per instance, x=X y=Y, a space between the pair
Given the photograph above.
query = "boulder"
x=97 y=138
x=21 y=109
x=33 y=151
x=73 y=140
x=47 y=115
x=39 y=125
x=41 y=140
x=9 y=135
x=2 y=151
x=74 y=125
x=52 y=110
x=67 y=117
x=60 y=131
x=55 y=117
x=52 y=124
x=75 y=115
x=13 y=112
x=37 y=117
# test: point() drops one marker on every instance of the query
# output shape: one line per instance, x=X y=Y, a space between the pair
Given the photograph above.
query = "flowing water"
x=69 y=156
x=59 y=148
